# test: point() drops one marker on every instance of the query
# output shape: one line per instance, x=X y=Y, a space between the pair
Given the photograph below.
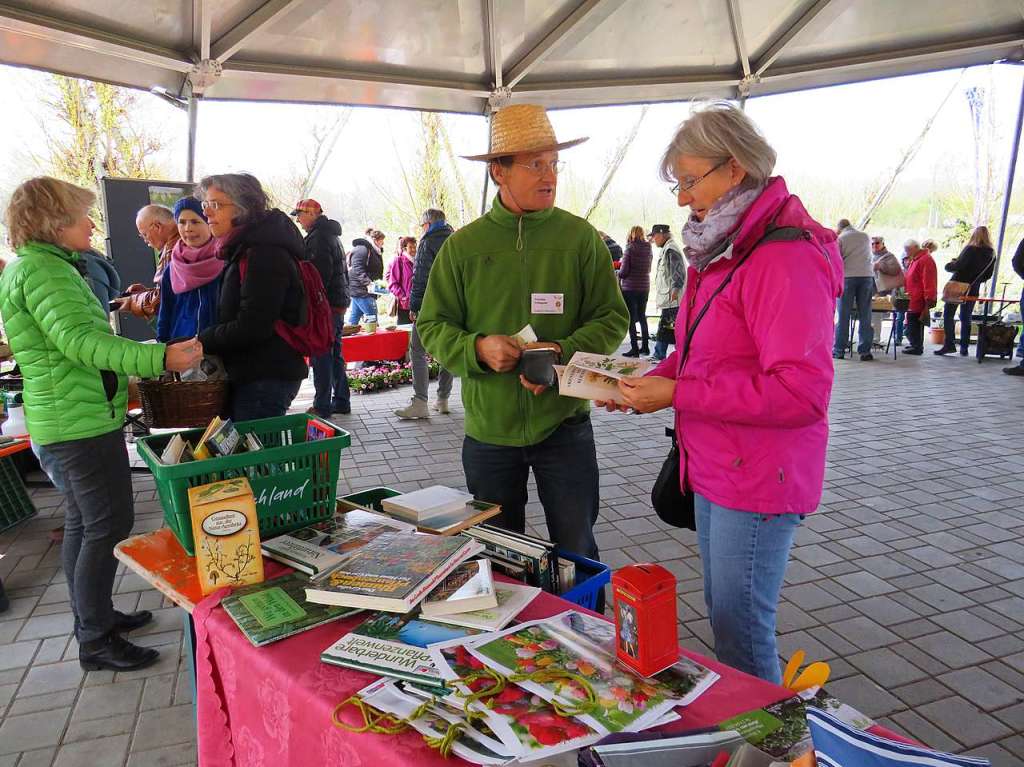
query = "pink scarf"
x=194 y=267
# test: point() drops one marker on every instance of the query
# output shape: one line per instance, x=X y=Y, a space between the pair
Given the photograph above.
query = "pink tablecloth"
x=258 y=707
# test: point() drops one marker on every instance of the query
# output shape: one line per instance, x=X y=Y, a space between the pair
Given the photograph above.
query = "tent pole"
x=1009 y=191
x=193 y=119
x=487 y=168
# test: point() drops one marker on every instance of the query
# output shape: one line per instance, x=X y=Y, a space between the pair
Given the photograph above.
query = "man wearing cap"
x=669 y=282
x=525 y=265
x=323 y=248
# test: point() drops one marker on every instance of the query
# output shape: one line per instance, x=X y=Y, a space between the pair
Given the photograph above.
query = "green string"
x=445 y=742
x=541 y=676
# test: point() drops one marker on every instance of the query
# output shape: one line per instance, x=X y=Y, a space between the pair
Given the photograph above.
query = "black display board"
x=134 y=260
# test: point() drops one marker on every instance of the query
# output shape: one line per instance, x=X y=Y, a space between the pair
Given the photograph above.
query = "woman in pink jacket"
x=751 y=393
x=400 y=277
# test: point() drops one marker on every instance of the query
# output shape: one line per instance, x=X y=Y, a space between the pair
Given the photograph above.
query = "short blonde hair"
x=718 y=130
x=930 y=245
x=42 y=206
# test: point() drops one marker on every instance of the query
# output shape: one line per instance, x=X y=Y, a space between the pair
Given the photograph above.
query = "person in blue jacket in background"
x=190 y=286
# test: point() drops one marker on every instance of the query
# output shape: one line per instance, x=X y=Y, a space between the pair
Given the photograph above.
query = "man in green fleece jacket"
x=525 y=262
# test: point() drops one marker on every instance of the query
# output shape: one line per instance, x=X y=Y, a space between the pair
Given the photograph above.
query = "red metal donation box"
x=647 y=638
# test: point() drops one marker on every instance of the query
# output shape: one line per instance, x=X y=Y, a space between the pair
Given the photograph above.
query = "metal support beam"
x=492 y=43
x=787 y=35
x=738 y=38
x=234 y=67
x=193 y=125
x=89 y=39
x=487 y=166
x=541 y=50
x=202 y=16
x=231 y=41
x=1010 y=172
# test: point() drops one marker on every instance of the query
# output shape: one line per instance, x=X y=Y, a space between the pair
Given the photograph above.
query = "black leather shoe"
x=914 y=352
x=5 y=603
x=944 y=351
x=125 y=622
x=632 y=353
x=644 y=351
x=1014 y=371
x=867 y=357
x=114 y=653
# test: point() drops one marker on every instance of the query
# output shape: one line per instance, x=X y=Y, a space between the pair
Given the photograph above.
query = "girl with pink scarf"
x=190 y=285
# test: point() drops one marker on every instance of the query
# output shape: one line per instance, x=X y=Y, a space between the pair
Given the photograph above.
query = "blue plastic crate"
x=591 y=577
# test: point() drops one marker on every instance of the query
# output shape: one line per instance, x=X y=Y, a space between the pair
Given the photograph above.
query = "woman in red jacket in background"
x=922 y=287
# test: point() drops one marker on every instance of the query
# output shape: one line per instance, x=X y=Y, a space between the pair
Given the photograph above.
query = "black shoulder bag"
x=672 y=504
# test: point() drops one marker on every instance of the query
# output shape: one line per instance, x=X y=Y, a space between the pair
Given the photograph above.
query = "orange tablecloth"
x=382 y=345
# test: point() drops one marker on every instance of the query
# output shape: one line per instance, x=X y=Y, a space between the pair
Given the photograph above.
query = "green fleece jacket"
x=482 y=283
x=75 y=369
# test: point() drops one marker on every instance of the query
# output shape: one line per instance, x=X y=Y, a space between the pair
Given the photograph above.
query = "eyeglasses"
x=538 y=167
x=216 y=205
x=687 y=184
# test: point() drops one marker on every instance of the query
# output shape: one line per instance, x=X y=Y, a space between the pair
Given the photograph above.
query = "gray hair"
x=244 y=190
x=719 y=130
x=844 y=223
x=155 y=212
x=912 y=243
x=432 y=216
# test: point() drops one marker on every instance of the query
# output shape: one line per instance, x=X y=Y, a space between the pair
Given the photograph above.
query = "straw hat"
x=520 y=128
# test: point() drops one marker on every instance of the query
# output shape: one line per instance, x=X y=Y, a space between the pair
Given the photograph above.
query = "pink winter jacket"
x=400 y=279
x=752 y=399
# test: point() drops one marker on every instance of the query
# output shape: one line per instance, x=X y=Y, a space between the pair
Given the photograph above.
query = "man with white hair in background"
x=888 y=277
x=159 y=230
x=858 y=287
x=922 y=285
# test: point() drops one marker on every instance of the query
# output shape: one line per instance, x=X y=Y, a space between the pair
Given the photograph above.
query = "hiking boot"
x=115 y=653
x=417 y=409
x=441 y=406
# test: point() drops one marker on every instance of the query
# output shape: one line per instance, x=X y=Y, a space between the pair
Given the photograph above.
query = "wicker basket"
x=181 y=404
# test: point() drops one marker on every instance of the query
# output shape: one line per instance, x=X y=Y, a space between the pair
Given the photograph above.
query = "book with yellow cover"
x=202 y=450
x=226 y=532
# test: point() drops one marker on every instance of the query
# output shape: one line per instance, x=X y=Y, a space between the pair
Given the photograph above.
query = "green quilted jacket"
x=75 y=369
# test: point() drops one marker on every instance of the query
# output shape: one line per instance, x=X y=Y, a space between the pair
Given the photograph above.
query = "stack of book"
x=422 y=505
x=520 y=556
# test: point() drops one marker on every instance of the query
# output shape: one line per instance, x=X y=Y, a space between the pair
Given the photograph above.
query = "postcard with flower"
x=623 y=700
x=521 y=719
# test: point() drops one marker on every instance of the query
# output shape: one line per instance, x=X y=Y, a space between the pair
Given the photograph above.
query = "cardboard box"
x=226 y=532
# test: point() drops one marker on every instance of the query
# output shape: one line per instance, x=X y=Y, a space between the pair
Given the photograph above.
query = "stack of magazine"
x=523 y=557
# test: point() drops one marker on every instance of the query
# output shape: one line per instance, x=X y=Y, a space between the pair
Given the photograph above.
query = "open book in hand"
x=596 y=376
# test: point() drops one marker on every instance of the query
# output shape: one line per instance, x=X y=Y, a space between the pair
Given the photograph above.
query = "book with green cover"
x=276 y=609
x=394 y=645
x=393 y=572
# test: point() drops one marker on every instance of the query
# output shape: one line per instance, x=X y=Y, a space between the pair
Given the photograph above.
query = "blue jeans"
x=899 y=320
x=267 y=398
x=855 y=290
x=744 y=556
x=1020 y=341
x=330 y=379
x=565 y=467
x=366 y=306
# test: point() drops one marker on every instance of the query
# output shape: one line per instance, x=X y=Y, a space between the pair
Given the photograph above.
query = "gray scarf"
x=704 y=241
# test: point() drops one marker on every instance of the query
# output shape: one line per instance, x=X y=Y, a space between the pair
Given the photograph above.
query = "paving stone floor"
x=909 y=581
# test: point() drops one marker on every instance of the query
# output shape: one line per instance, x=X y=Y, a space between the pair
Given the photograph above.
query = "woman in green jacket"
x=76 y=391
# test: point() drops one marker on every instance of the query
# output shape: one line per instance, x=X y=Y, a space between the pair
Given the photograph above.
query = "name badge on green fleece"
x=547 y=303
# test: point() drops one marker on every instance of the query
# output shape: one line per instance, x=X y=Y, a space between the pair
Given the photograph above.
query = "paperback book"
x=597 y=376
x=395 y=646
x=469 y=586
x=318 y=548
x=277 y=609
x=536 y=556
x=511 y=599
x=427 y=503
x=393 y=572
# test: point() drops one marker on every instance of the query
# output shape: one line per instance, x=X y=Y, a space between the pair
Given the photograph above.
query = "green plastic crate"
x=294 y=481
x=15 y=505
x=367 y=499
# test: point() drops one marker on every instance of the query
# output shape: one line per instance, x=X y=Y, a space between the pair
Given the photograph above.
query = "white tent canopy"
x=452 y=55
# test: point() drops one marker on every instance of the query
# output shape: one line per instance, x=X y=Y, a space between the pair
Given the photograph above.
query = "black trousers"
x=636 y=303
x=915 y=332
x=100 y=513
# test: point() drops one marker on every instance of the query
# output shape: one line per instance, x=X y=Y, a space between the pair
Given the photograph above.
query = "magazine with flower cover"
x=624 y=700
x=526 y=722
x=277 y=609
